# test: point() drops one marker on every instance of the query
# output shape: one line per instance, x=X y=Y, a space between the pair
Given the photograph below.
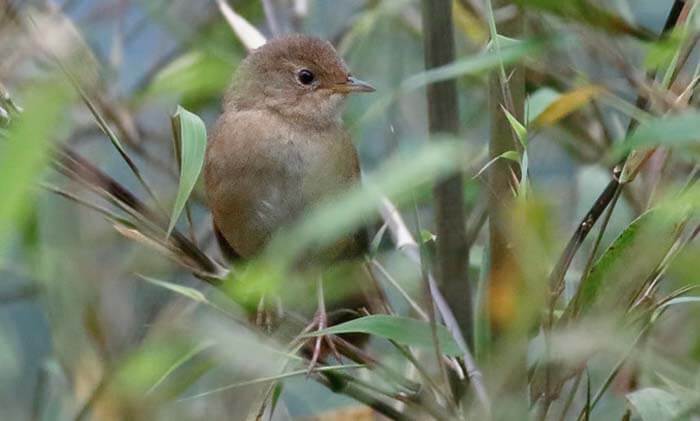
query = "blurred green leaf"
x=191 y=142
x=195 y=77
x=395 y=179
x=151 y=365
x=403 y=330
x=188 y=292
x=662 y=52
x=679 y=130
x=620 y=273
x=654 y=404
x=476 y=64
x=588 y=13
x=188 y=356
x=27 y=149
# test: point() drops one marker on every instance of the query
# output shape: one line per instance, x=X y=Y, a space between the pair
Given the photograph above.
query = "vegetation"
x=533 y=165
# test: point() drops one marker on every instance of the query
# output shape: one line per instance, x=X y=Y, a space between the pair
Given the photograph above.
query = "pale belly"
x=278 y=191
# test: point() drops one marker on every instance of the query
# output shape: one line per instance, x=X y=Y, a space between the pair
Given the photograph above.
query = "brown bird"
x=280 y=146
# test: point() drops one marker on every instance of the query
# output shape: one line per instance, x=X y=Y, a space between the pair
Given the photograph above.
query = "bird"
x=279 y=148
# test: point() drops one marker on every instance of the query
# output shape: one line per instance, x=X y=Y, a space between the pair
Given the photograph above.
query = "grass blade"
x=403 y=330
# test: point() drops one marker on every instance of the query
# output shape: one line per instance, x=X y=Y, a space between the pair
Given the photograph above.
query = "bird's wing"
x=227 y=250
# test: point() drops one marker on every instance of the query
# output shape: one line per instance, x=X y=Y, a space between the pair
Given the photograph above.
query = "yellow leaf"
x=469 y=23
x=567 y=104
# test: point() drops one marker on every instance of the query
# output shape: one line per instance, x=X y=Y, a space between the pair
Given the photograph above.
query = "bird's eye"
x=305 y=76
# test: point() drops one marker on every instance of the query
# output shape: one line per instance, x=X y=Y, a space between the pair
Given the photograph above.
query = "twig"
x=405 y=243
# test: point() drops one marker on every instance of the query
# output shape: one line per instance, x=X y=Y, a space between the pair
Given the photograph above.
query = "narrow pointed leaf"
x=403 y=330
x=191 y=139
x=188 y=292
x=27 y=149
x=620 y=273
x=652 y=404
x=566 y=104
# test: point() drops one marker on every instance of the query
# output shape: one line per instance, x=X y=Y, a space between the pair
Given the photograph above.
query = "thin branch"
x=405 y=243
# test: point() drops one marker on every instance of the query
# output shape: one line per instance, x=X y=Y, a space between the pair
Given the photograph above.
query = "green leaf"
x=188 y=356
x=518 y=128
x=509 y=155
x=474 y=65
x=191 y=142
x=676 y=301
x=27 y=149
x=588 y=13
x=679 y=130
x=623 y=269
x=654 y=404
x=188 y=292
x=403 y=330
x=193 y=77
x=660 y=53
x=397 y=179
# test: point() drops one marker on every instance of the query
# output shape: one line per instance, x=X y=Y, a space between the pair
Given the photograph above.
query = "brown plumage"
x=279 y=147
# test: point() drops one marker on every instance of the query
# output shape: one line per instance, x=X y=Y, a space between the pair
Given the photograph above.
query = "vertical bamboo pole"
x=504 y=275
x=452 y=260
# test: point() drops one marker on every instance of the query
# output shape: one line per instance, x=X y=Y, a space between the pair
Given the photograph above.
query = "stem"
x=452 y=248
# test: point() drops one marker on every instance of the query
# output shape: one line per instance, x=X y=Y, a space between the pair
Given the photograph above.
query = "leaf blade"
x=191 y=137
x=403 y=330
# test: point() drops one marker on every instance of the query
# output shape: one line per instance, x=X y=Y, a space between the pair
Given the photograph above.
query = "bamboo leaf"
x=619 y=274
x=679 y=130
x=188 y=292
x=676 y=301
x=476 y=64
x=654 y=404
x=188 y=356
x=518 y=128
x=193 y=77
x=566 y=104
x=191 y=139
x=403 y=330
x=590 y=14
x=276 y=378
x=27 y=149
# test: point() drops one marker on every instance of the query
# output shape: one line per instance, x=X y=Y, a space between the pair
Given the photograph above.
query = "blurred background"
x=73 y=301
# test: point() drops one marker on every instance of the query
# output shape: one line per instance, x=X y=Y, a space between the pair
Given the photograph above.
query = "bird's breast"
x=261 y=176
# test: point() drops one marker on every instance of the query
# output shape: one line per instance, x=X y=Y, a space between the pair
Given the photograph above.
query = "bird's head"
x=300 y=77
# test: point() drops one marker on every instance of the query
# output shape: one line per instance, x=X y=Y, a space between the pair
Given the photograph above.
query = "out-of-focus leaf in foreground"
x=403 y=330
x=191 y=143
x=194 y=77
x=510 y=53
x=566 y=104
x=27 y=149
x=348 y=212
x=652 y=404
x=587 y=13
x=627 y=264
x=679 y=130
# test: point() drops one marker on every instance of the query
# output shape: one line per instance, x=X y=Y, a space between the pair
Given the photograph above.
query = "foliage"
x=586 y=310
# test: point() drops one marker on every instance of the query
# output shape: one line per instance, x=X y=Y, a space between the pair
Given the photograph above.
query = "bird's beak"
x=352 y=85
